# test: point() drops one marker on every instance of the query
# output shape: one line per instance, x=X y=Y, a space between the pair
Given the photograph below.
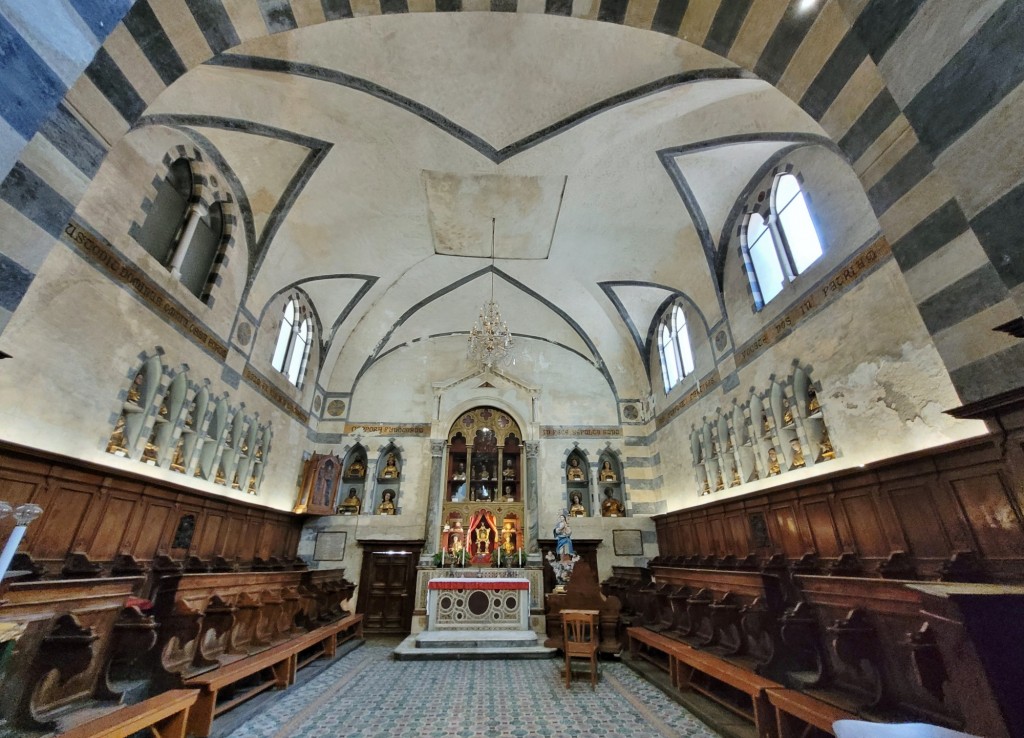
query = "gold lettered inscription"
x=864 y=261
x=703 y=387
x=269 y=390
x=383 y=429
x=103 y=255
x=580 y=431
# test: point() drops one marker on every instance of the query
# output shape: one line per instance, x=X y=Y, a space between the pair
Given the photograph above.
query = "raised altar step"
x=443 y=645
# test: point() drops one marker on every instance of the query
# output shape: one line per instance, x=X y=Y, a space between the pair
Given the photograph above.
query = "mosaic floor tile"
x=368 y=695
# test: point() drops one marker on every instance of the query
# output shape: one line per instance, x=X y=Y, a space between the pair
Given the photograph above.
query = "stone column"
x=431 y=535
x=532 y=503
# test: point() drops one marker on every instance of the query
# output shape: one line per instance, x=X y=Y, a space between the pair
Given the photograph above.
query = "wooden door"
x=387 y=592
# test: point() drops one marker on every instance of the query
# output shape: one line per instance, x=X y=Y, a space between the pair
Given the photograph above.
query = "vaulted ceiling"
x=371 y=156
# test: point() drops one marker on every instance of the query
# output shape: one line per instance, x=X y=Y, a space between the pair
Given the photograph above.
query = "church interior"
x=313 y=311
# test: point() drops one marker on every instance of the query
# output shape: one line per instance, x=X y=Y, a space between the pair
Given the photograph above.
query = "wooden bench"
x=703 y=673
x=658 y=643
x=327 y=638
x=795 y=711
x=281 y=660
x=166 y=715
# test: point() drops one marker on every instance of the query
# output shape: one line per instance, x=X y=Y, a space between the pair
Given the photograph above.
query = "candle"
x=520 y=558
x=463 y=557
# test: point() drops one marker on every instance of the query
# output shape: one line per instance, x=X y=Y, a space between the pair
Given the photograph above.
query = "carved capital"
x=532 y=449
x=437 y=447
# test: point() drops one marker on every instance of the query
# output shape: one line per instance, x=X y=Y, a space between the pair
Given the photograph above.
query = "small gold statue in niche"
x=576 y=509
x=387 y=504
x=787 y=414
x=607 y=474
x=765 y=425
x=773 y=463
x=825 y=449
x=736 y=481
x=356 y=470
x=574 y=473
x=813 y=405
x=707 y=488
x=798 y=455
x=611 y=507
x=351 y=505
x=390 y=470
x=483 y=539
x=508 y=538
x=719 y=482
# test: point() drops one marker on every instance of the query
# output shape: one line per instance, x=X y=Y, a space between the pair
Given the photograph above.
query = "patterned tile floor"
x=367 y=694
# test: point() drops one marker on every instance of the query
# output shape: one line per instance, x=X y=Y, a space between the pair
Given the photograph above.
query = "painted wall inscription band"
x=409 y=429
x=102 y=254
x=269 y=390
x=578 y=431
x=859 y=265
x=703 y=387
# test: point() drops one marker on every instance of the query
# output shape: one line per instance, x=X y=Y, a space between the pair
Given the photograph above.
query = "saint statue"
x=736 y=481
x=387 y=504
x=563 y=537
x=390 y=470
x=611 y=507
x=764 y=422
x=719 y=482
x=798 y=455
x=787 y=413
x=607 y=474
x=356 y=470
x=574 y=473
x=509 y=472
x=773 y=463
x=351 y=505
x=576 y=509
x=825 y=448
x=460 y=472
x=813 y=405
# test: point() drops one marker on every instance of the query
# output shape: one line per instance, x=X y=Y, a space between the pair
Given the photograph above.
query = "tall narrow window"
x=782 y=244
x=293 y=342
x=674 y=348
x=165 y=220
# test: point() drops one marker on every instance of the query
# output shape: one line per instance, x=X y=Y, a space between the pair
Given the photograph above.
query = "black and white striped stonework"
x=924 y=97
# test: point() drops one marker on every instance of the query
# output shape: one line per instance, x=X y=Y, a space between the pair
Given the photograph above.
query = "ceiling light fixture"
x=490 y=341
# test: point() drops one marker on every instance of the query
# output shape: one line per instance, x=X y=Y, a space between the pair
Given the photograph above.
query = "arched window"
x=166 y=218
x=674 y=348
x=293 y=342
x=178 y=233
x=782 y=244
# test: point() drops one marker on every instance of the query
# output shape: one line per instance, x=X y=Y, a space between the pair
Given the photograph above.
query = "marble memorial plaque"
x=330 y=545
x=628 y=542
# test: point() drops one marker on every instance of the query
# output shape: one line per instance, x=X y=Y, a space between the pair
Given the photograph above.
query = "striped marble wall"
x=923 y=96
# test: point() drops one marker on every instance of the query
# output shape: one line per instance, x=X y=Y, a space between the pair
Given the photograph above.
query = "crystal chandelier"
x=490 y=341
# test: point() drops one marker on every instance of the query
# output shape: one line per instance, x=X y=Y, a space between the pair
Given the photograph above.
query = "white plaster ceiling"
x=494 y=105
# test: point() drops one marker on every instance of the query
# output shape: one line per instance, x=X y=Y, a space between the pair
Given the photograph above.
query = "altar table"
x=486 y=603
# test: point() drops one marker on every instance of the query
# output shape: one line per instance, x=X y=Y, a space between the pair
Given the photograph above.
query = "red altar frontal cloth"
x=505 y=584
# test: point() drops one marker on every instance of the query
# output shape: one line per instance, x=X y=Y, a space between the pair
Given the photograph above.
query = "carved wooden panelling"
x=101 y=513
x=927 y=507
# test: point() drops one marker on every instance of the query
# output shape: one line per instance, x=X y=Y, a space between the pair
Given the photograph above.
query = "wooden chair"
x=580 y=640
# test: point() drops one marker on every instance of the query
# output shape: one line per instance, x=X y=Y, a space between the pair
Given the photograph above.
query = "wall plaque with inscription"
x=330 y=545
x=628 y=542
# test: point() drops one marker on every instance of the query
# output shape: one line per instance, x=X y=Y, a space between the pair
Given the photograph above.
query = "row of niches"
x=332 y=485
x=181 y=426
x=778 y=431
x=579 y=496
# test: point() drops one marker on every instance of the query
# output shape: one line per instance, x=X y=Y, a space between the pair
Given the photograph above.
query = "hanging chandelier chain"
x=490 y=341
